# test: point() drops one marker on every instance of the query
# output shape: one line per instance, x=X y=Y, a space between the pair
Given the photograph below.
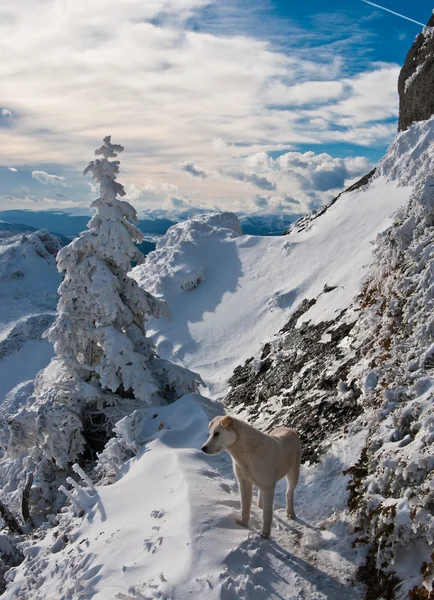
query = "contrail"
x=393 y=12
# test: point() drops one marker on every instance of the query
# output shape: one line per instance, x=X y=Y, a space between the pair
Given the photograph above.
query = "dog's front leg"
x=267 y=496
x=246 y=492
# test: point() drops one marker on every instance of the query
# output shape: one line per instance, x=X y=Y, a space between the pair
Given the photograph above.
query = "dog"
x=259 y=459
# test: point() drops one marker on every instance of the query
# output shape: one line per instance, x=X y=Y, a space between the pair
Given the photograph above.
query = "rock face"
x=416 y=80
x=296 y=381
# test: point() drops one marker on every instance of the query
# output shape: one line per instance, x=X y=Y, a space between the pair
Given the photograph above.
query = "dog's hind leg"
x=260 y=500
x=291 y=481
x=267 y=511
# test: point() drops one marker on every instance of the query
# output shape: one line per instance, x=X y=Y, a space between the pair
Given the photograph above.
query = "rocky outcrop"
x=416 y=80
x=296 y=381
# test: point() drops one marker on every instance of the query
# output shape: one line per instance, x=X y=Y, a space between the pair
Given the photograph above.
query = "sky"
x=247 y=105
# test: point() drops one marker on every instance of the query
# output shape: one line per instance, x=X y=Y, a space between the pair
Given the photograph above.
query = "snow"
x=28 y=297
x=409 y=80
x=105 y=366
x=165 y=526
x=179 y=540
x=253 y=284
x=24 y=364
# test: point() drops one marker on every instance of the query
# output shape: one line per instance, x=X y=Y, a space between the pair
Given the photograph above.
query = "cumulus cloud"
x=189 y=167
x=305 y=181
x=6 y=113
x=48 y=179
x=321 y=172
x=12 y=169
x=174 y=203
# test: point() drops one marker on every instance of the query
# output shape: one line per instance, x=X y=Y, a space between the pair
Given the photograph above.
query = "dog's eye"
x=217 y=433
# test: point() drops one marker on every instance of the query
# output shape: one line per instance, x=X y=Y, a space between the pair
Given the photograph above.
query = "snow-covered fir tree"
x=105 y=365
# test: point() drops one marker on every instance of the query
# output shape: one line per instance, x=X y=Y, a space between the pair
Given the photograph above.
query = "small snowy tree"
x=100 y=330
x=105 y=365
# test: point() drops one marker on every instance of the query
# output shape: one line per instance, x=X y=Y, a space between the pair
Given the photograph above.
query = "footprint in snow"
x=152 y=545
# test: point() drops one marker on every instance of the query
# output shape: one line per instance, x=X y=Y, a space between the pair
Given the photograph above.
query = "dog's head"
x=222 y=435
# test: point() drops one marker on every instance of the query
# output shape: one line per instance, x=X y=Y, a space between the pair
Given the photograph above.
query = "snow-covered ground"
x=28 y=298
x=250 y=285
x=165 y=528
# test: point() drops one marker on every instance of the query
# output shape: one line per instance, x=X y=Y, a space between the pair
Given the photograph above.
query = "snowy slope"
x=28 y=297
x=178 y=539
x=251 y=285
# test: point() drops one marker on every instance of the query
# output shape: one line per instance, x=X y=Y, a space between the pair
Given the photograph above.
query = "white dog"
x=259 y=459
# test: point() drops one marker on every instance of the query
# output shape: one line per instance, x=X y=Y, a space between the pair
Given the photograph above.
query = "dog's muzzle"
x=205 y=449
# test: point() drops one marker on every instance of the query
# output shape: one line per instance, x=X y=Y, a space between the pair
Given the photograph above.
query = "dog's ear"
x=226 y=421
x=211 y=423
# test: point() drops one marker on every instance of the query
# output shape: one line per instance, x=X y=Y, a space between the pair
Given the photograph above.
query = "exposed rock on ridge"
x=416 y=80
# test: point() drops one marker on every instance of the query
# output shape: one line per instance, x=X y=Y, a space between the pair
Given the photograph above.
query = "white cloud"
x=12 y=169
x=319 y=175
x=48 y=179
x=136 y=72
x=295 y=182
x=6 y=113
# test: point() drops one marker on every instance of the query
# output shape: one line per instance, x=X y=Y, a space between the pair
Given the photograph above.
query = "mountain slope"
x=251 y=285
x=165 y=527
x=28 y=297
x=337 y=338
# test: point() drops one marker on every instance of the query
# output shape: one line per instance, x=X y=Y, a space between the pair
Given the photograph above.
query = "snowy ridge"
x=410 y=156
x=394 y=503
x=255 y=283
x=175 y=263
x=177 y=540
x=105 y=366
x=28 y=297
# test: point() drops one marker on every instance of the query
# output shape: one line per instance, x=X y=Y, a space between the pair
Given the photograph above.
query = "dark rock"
x=302 y=366
x=416 y=80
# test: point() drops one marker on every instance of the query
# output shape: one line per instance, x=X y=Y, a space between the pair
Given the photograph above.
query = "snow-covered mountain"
x=328 y=329
x=229 y=295
x=28 y=297
x=247 y=287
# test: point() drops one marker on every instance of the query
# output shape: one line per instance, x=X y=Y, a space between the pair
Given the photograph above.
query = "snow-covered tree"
x=100 y=330
x=105 y=365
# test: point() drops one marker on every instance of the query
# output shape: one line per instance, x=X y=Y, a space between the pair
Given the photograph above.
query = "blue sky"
x=246 y=106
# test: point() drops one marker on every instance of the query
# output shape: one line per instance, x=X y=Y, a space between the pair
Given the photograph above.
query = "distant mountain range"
x=68 y=224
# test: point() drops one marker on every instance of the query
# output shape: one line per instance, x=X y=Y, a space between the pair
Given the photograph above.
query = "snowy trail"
x=166 y=530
